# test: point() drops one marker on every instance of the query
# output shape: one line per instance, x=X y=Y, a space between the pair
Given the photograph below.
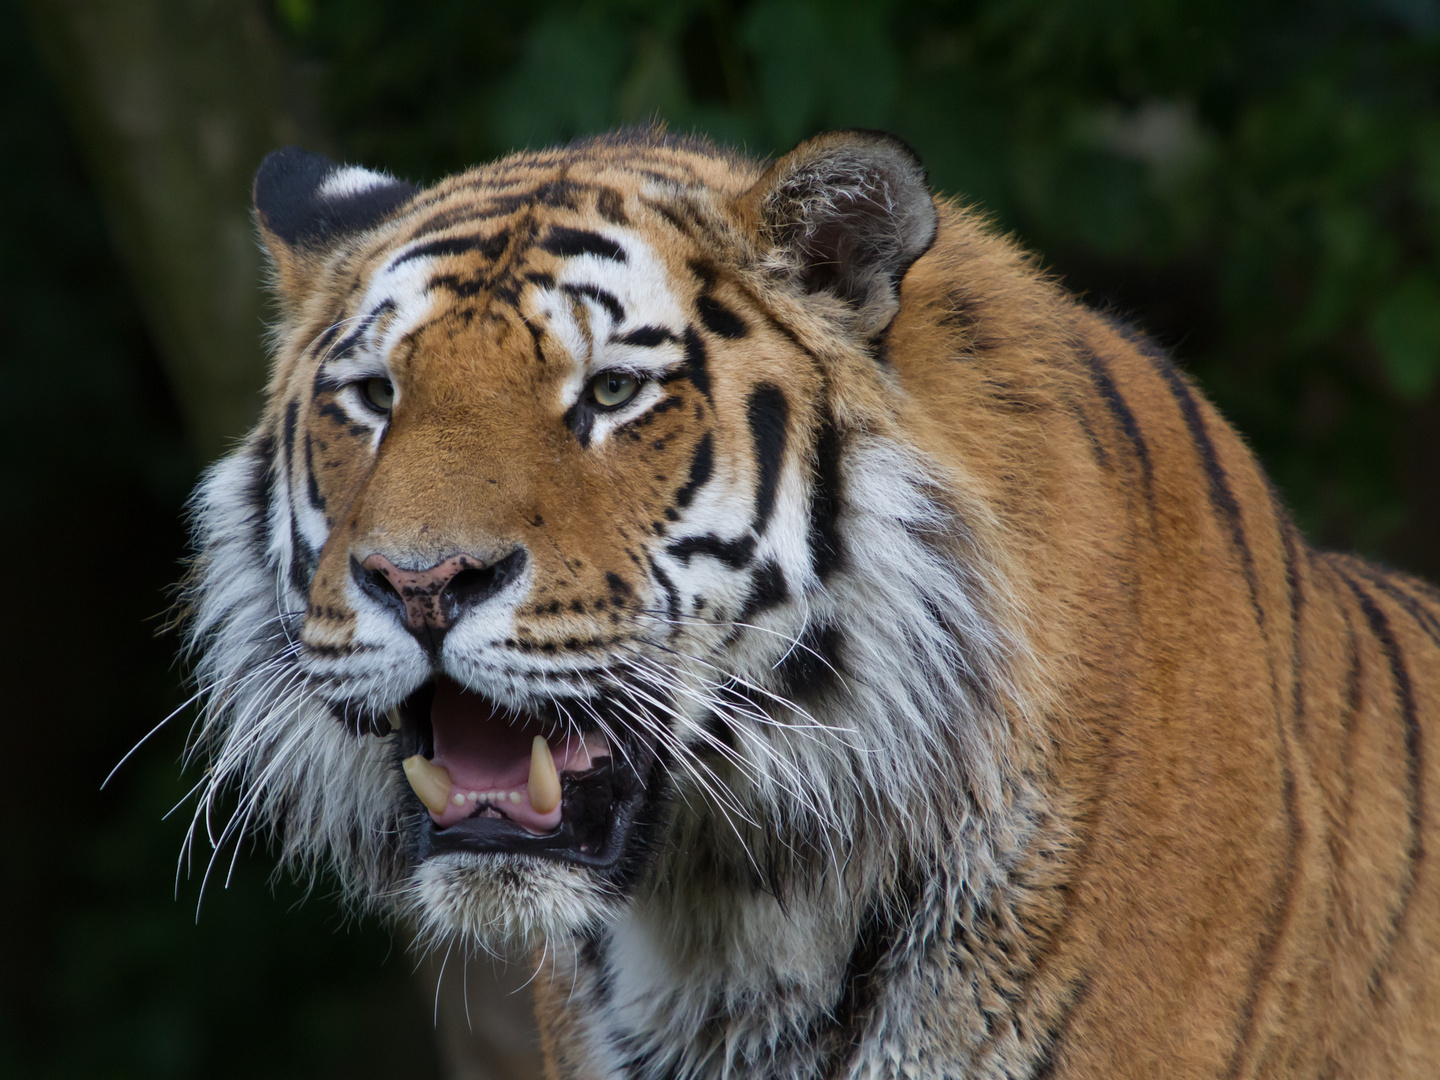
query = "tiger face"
x=530 y=570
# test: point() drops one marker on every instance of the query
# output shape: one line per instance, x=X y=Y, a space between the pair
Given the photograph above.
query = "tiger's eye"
x=611 y=389
x=380 y=393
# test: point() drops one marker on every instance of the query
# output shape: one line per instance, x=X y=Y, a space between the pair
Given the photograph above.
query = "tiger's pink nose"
x=420 y=590
x=431 y=601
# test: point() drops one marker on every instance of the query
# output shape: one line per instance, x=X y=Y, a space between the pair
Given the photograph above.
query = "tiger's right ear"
x=846 y=213
x=307 y=204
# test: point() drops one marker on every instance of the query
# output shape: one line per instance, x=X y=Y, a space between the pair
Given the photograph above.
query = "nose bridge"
x=443 y=485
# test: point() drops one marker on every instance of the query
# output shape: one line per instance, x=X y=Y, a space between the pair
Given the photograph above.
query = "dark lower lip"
x=598 y=813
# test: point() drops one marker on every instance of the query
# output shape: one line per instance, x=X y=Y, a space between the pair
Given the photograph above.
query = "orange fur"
x=1232 y=734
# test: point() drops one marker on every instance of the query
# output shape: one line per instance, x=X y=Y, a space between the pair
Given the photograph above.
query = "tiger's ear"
x=847 y=212
x=306 y=205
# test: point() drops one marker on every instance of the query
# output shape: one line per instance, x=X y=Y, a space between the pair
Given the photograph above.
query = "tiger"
x=757 y=593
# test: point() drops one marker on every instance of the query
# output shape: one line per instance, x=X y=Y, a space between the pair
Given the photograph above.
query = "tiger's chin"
x=506 y=904
x=532 y=818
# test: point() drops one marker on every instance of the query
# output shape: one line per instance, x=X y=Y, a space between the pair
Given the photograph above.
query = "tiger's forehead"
x=585 y=248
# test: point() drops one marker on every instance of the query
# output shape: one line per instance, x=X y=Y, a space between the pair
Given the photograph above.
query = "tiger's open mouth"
x=537 y=783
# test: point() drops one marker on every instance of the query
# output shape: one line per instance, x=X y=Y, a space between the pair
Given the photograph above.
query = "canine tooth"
x=393 y=715
x=544 y=780
x=430 y=781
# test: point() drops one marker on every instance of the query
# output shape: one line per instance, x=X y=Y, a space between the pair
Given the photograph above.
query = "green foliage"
x=1257 y=183
x=1406 y=326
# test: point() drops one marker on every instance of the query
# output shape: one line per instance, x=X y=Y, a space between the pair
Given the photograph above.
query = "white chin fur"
x=506 y=904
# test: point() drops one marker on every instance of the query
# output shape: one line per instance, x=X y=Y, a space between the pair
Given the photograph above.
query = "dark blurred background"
x=1258 y=184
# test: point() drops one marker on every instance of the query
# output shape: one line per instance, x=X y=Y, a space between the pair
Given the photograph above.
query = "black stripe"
x=325 y=383
x=1427 y=620
x=620 y=589
x=1405 y=698
x=678 y=223
x=886 y=923
x=492 y=247
x=962 y=312
x=697 y=361
x=568 y=243
x=312 y=487
x=463 y=288
x=607 y=300
x=704 y=271
x=257 y=491
x=767 y=590
x=580 y=418
x=334 y=413
x=303 y=559
x=287 y=438
x=672 y=595
x=1279 y=912
x=611 y=205
x=1102 y=456
x=563 y=193
x=537 y=336
x=733 y=553
x=719 y=319
x=446 y=219
x=696 y=367
x=349 y=342
x=1294 y=551
x=1221 y=497
x=593 y=954
x=826 y=496
x=317 y=347
x=813 y=665
x=1059 y=1031
x=1430 y=593
x=702 y=464
x=645 y=337
x=1123 y=415
x=1354 y=687
x=768 y=414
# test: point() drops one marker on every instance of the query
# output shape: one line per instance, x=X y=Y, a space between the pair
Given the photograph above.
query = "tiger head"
x=581 y=555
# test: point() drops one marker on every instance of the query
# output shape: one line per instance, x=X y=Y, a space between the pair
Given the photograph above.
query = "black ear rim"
x=818 y=276
x=290 y=208
x=890 y=139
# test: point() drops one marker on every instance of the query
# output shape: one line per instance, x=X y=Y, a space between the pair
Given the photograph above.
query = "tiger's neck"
x=723 y=978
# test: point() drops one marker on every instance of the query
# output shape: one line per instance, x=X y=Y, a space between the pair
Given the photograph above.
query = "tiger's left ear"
x=307 y=205
x=847 y=212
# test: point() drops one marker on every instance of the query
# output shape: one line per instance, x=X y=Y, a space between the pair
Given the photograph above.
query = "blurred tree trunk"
x=174 y=104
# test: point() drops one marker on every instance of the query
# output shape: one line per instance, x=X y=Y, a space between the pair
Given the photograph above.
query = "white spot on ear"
x=351 y=180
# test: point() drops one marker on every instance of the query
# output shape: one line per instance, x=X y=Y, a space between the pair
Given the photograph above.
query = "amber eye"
x=611 y=389
x=380 y=393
